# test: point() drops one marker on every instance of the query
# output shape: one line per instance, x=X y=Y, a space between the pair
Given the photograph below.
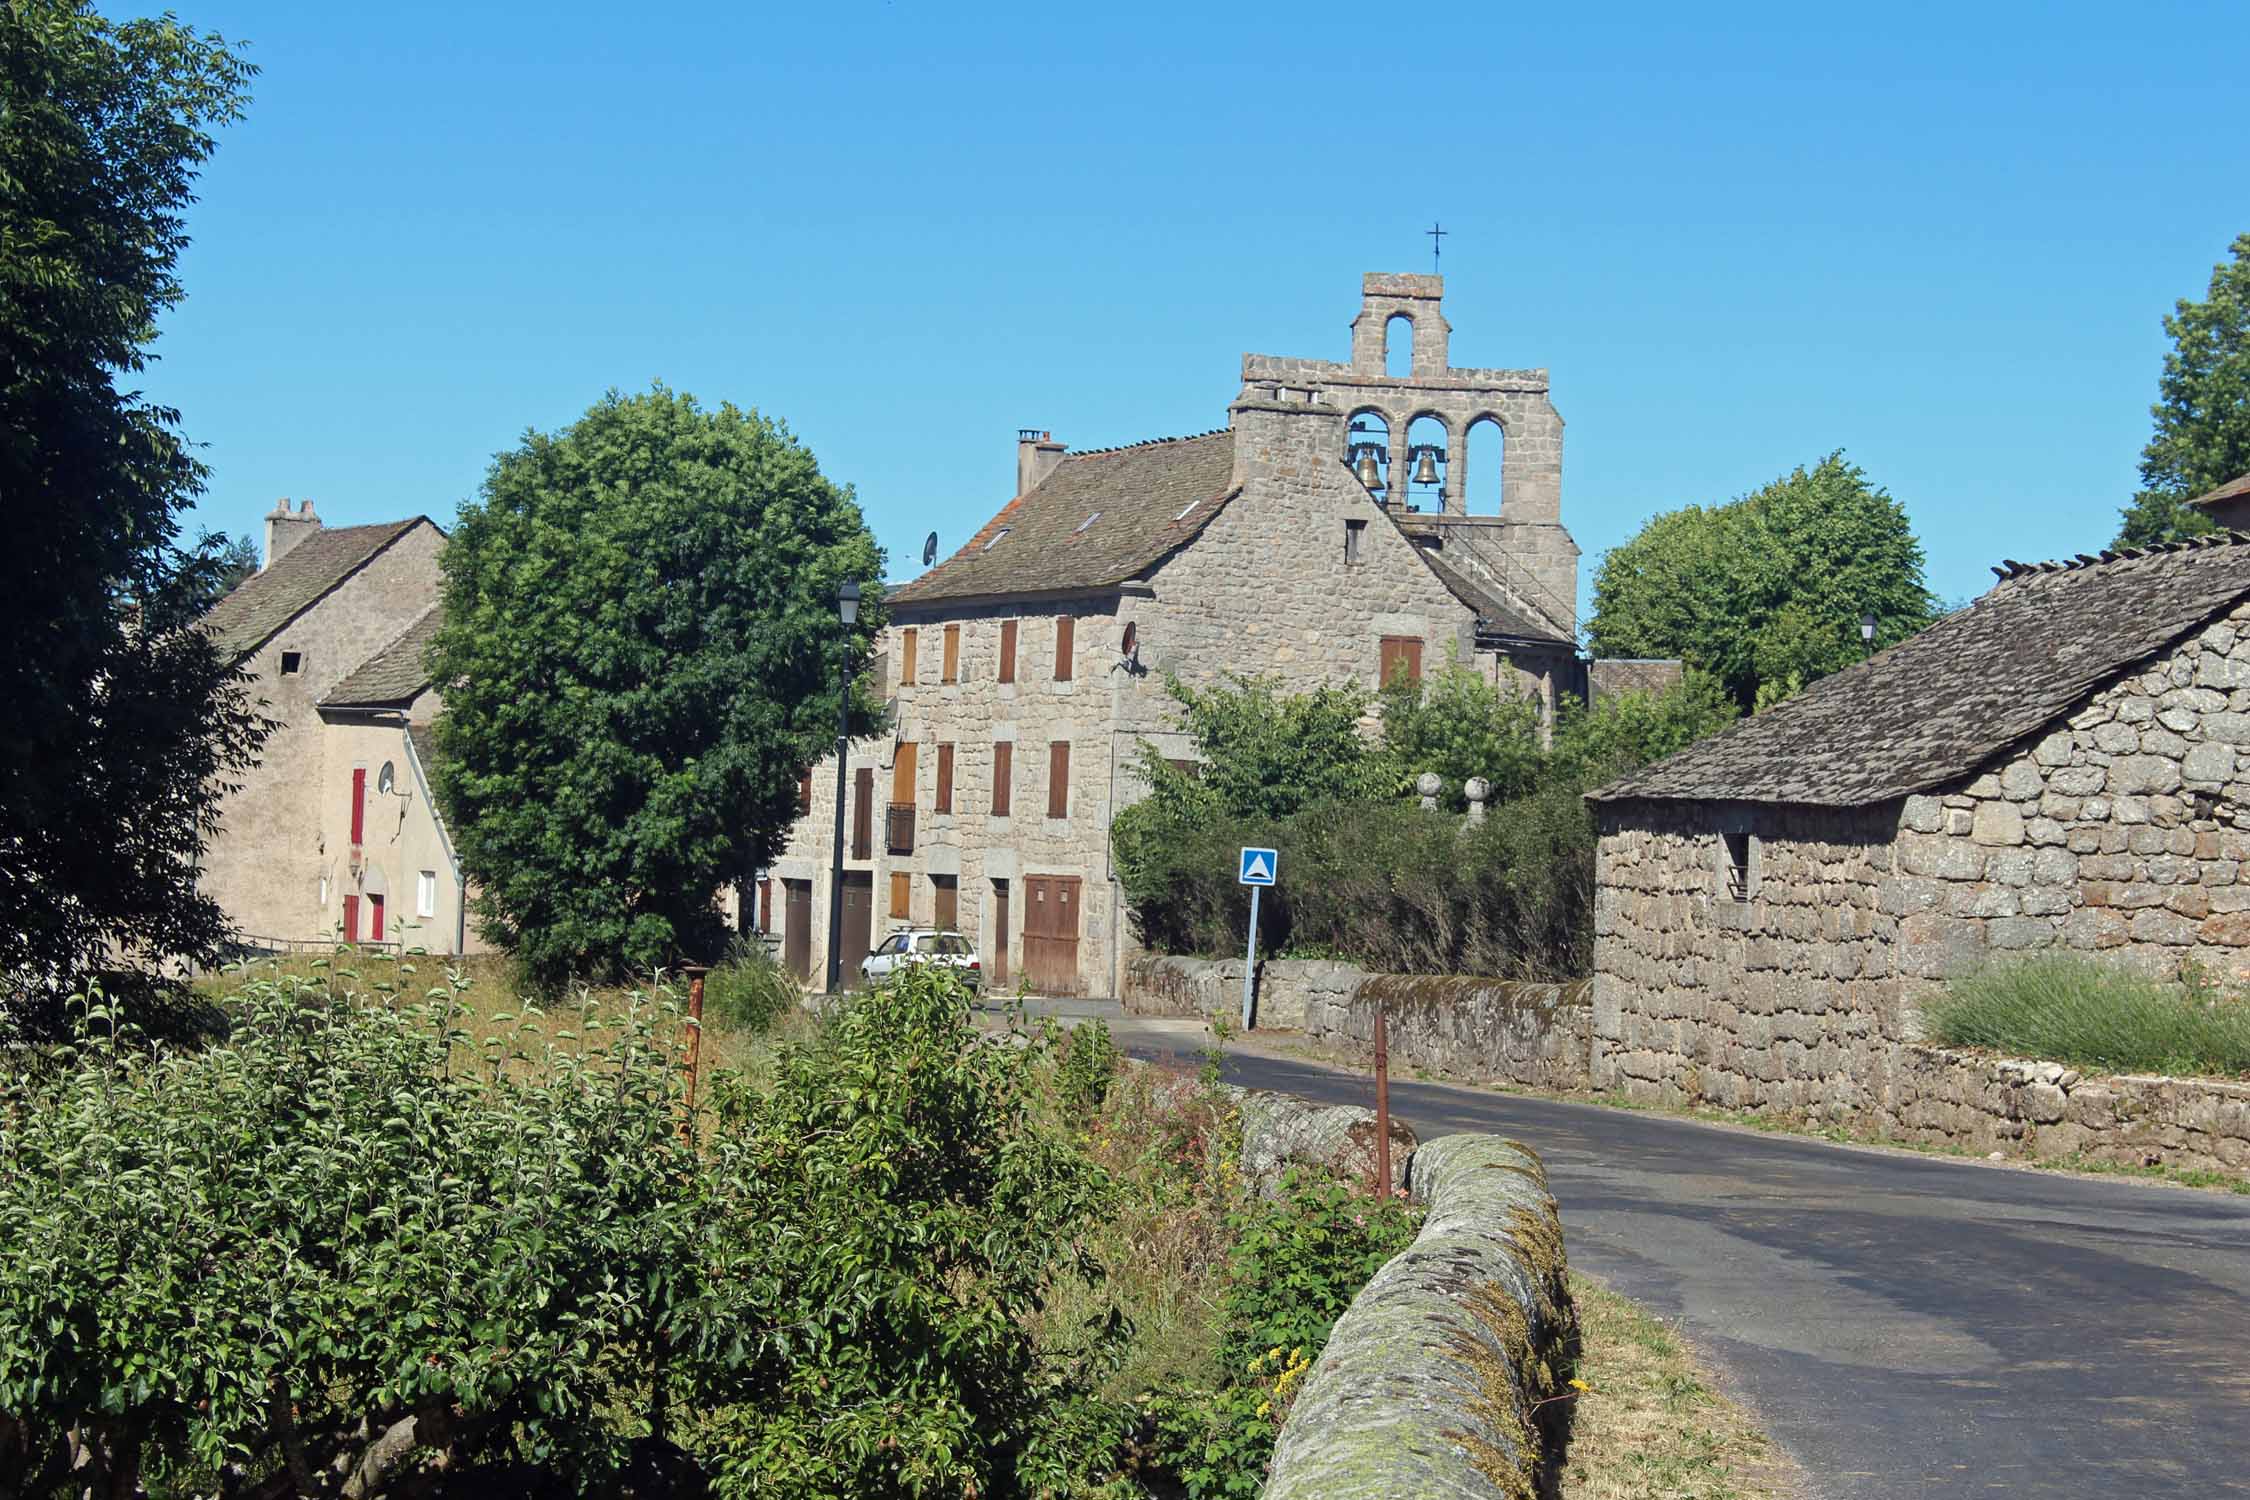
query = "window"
x=997 y=538
x=945 y=899
x=951 y=666
x=908 y=640
x=1007 y=651
x=1058 y=779
x=1402 y=656
x=944 y=800
x=895 y=943
x=902 y=892
x=292 y=662
x=1090 y=520
x=1738 y=864
x=425 y=894
x=1003 y=773
x=863 y=815
x=1062 y=647
x=324 y=892
x=359 y=804
x=1191 y=769
x=1354 y=533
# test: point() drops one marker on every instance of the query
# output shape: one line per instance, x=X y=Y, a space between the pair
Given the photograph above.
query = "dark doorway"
x=859 y=923
x=999 y=966
x=1050 y=933
x=351 y=919
x=796 y=929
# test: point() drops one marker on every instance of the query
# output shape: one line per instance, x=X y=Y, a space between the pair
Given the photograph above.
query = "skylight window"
x=1090 y=520
x=1192 y=504
x=996 y=536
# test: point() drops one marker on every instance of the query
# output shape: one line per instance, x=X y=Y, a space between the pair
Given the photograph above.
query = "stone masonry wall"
x=1500 y=1031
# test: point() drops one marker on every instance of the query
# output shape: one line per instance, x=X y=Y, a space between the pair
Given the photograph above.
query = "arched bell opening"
x=1398 y=346
x=1367 y=449
x=1428 y=454
x=1486 y=456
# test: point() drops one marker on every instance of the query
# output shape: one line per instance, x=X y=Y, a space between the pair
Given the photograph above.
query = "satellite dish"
x=386 y=780
x=1132 y=638
x=929 y=549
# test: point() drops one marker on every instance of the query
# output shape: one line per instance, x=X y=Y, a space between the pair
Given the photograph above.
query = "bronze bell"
x=1425 y=472
x=1369 y=476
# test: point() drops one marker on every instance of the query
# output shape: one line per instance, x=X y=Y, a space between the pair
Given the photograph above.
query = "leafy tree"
x=235 y=559
x=122 y=725
x=1769 y=588
x=2202 y=412
x=1594 y=744
x=1459 y=724
x=639 y=658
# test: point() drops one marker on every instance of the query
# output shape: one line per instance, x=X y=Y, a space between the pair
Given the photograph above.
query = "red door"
x=375 y=919
x=351 y=919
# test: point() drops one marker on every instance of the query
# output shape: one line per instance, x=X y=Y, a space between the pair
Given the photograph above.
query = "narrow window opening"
x=425 y=894
x=1398 y=346
x=1354 y=533
x=1007 y=651
x=1183 y=515
x=1064 y=628
x=1090 y=520
x=1058 y=779
x=1738 y=850
x=996 y=538
x=1003 y=776
x=951 y=667
x=292 y=662
x=909 y=643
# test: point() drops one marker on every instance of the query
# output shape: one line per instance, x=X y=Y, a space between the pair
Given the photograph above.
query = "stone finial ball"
x=1428 y=783
x=1476 y=789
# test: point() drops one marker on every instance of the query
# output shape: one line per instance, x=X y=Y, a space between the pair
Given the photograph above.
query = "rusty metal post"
x=1382 y=1104
x=695 y=973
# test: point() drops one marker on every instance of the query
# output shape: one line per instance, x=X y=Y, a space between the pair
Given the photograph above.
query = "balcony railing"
x=898 y=830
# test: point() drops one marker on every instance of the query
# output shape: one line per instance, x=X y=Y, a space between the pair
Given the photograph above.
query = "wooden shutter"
x=1003 y=775
x=904 y=771
x=1063 y=637
x=944 y=802
x=907 y=641
x=952 y=664
x=359 y=804
x=863 y=816
x=1402 y=656
x=902 y=892
x=1058 y=779
x=1007 y=651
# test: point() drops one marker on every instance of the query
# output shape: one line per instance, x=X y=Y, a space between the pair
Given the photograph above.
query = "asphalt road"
x=1907 y=1326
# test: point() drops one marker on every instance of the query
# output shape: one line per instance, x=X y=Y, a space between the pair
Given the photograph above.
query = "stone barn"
x=2064 y=765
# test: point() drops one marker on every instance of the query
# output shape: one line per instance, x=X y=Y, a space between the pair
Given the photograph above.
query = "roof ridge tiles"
x=1153 y=442
x=2008 y=568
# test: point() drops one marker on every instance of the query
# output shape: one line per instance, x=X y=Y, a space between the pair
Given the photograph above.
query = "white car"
x=923 y=945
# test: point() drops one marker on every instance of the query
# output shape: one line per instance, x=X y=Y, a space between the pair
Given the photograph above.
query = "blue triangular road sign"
x=1258 y=867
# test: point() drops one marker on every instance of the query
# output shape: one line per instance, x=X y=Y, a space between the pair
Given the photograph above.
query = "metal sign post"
x=1256 y=871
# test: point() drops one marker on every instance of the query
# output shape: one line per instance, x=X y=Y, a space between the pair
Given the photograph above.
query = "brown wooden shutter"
x=863 y=815
x=903 y=772
x=1003 y=776
x=944 y=802
x=1063 y=633
x=945 y=897
x=1402 y=657
x=902 y=892
x=1058 y=779
x=1007 y=651
x=952 y=662
x=908 y=639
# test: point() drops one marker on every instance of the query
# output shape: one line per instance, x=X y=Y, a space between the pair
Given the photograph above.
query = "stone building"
x=335 y=833
x=1325 y=535
x=2063 y=766
x=2228 y=505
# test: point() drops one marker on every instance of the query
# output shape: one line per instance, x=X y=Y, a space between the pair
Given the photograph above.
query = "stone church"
x=1333 y=531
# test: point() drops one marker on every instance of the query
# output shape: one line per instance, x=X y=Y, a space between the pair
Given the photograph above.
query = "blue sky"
x=1939 y=238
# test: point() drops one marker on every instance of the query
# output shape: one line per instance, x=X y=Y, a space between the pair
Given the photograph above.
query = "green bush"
x=749 y=990
x=2092 y=1014
x=330 y=1246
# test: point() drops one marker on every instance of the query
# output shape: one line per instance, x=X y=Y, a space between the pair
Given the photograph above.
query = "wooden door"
x=796 y=928
x=998 y=968
x=1050 y=933
x=351 y=919
x=374 y=918
x=859 y=923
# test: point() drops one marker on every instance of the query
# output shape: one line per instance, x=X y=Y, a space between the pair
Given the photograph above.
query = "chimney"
x=286 y=528
x=1037 y=453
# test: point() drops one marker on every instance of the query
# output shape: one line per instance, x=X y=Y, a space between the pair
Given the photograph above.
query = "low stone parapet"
x=1432 y=1381
x=1475 y=1030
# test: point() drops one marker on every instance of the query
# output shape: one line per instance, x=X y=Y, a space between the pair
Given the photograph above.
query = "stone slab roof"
x=1145 y=501
x=392 y=676
x=261 y=604
x=2234 y=489
x=1496 y=617
x=1979 y=682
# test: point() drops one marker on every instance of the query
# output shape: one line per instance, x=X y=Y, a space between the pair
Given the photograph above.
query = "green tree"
x=1594 y=744
x=122 y=725
x=639 y=659
x=1767 y=588
x=234 y=559
x=2202 y=412
x=1459 y=724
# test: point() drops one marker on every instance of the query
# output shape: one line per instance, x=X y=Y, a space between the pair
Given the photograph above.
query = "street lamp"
x=1867 y=635
x=847 y=607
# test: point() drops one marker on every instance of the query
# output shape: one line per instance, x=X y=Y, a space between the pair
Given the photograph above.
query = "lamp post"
x=847 y=607
x=1866 y=636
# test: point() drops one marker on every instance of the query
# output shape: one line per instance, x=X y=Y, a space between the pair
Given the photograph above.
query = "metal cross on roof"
x=1436 y=232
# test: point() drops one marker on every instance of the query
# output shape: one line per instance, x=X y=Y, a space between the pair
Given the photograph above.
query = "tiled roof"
x=392 y=675
x=2233 y=489
x=1495 y=615
x=267 y=600
x=1145 y=501
x=1984 y=680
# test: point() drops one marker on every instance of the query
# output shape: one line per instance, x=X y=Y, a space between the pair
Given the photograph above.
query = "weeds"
x=2095 y=1015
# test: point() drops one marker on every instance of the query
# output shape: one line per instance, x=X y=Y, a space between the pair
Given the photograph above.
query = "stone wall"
x=2042 y=1109
x=1475 y=1030
x=1431 y=1382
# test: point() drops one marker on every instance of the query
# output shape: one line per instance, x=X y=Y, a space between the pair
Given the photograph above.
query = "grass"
x=2094 y=1015
x=1651 y=1426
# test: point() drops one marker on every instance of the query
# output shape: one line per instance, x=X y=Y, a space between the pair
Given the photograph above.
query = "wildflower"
x=1274 y=1352
x=1580 y=1385
x=1265 y=1408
